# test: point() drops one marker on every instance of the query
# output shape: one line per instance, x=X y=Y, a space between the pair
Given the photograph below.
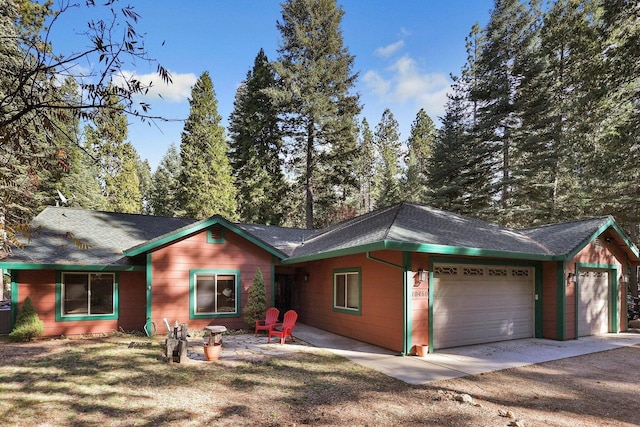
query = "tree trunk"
x=309 y=175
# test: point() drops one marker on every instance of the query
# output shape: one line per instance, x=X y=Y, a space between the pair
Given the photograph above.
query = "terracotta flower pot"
x=212 y=351
x=422 y=350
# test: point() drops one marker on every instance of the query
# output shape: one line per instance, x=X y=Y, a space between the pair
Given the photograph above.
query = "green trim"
x=609 y=223
x=195 y=228
x=371 y=257
x=356 y=270
x=149 y=291
x=14 y=297
x=71 y=318
x=192 y=294
x=407 y=324
x=538 y=298
x=537 y=286
x=221 y=240
x=613 y=272
x=561 y=300
x=424 y=248
x=71 y=267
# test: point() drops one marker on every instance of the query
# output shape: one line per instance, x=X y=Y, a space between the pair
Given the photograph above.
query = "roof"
x=106 y=234
x=114 y=238
x=414 y=227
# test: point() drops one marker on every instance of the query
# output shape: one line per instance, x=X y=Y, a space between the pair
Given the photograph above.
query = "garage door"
x=593 y=302
x=476 y=304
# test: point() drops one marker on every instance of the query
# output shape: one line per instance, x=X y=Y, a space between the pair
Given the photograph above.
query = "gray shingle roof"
x=407 y=225
x=106 y=233
x=282 y=238
x=566 y=237
x=413 y=224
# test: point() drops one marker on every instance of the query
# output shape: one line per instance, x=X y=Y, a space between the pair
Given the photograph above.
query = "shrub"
x=256 y=301
x=28 y=324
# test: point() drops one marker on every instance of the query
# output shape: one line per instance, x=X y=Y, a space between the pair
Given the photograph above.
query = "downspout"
x=406 y=270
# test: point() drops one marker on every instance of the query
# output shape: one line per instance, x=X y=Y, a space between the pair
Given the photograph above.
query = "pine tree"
x=164 y=196
x=419 y=146
x=618 y=100
x=314 y=83
x=462 y=163
x=500 y=75
x=28 y=324
x=546 y=150
x=116 y=159
x=365 y=168
x=256 y=305
x=256 y=148
x=388 y=171
x=205 y=182
x=143 y=170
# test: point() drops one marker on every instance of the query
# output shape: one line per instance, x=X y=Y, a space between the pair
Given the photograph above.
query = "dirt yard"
x=108 y=381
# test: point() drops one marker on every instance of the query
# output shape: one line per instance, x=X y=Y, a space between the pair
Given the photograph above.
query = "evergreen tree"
x=462 y=164
x=80 y=184
x=256 y=305
x=27 y=152
x=388 y=170
x=116 y=160
x=365 y=168
x=164 y=190
x=28 y=324
x=546 y=149
x=500 y=68
x=618 y=100
x=256 y=148
x=419 y=146
x=205 y=182
x=314 y=83
x=143 y=170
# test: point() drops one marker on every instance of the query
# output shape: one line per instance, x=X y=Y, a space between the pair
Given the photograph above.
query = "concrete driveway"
x=461 y=361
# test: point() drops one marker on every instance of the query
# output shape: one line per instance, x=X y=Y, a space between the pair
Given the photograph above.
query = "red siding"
x=419 y=302
x=380 y=321
x=132 y=304
x=549 y=300
x=170 y=275
x=40 y=285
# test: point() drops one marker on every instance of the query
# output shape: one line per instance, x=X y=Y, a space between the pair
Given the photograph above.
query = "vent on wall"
x=597 y=243
x=215 y=234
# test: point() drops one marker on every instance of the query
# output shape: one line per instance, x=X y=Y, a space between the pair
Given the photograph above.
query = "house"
x=398 y=277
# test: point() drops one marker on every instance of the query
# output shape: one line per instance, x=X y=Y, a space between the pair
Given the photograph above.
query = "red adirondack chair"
x=270 y=320
x=284 y=330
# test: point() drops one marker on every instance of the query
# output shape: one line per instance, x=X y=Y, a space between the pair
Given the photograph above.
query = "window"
x=214 y=292
x=346 y=291
x=87 y=294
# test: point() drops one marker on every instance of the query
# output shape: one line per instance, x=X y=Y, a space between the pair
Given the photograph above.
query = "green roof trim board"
x=195 y=228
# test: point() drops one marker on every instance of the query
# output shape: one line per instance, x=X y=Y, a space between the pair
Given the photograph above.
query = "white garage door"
x=476 y=304
x=593 y=302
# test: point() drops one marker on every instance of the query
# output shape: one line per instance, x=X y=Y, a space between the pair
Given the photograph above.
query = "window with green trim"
x=346 y=290
x=215 y=293
x=87 y=294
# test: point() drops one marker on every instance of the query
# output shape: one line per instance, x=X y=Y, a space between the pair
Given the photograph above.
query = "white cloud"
x=177 y=91
x=386 y=51
x=376 y=83
x=405 y=83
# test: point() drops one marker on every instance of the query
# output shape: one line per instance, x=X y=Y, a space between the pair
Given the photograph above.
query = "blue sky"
x=404 y=53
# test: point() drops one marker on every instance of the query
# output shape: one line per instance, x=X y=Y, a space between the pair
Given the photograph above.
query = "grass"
x=105 y=381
